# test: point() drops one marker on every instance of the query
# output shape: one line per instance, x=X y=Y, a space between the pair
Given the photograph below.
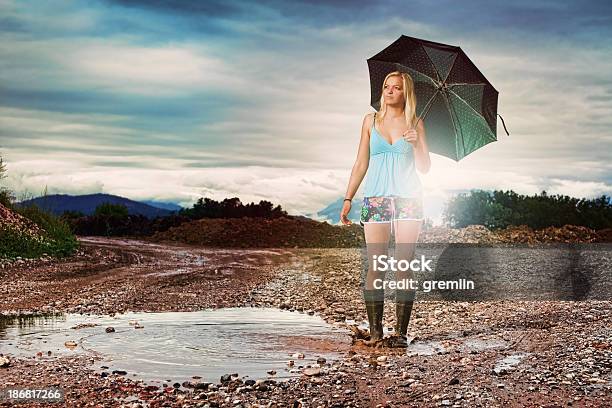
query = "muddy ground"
x=562 y=350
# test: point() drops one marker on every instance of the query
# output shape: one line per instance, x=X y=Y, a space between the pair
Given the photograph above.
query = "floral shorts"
x=386 y=209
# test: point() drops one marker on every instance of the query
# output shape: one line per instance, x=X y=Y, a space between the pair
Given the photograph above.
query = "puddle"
x=508 y=363
x=175 y=346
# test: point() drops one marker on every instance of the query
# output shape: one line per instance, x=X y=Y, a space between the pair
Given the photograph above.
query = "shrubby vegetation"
x=231 y=208
x=56 y=240
x=499 y=209
x=113 y=219
x=6 y=195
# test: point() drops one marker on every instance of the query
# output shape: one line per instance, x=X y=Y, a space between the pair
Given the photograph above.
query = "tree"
x=499 y=209
x=2 y=169
x=6 y=196
x=110 y=209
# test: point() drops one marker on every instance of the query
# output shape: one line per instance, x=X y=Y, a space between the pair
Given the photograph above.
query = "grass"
x=57 y=240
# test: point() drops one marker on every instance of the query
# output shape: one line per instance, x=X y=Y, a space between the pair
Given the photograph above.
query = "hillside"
x=58 y=203
x=303 y=232
x=262 y=232
x=10 y=220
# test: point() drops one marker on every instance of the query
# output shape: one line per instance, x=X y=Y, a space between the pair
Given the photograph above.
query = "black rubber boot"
x=404 y=300
x=374 y=302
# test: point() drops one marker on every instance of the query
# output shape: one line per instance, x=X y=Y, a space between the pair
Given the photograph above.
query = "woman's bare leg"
x=406 y=236
x=377 y=237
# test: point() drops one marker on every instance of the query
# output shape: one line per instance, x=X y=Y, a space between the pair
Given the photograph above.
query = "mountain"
x=164 y=205
x=87 y=203
x=331 y=213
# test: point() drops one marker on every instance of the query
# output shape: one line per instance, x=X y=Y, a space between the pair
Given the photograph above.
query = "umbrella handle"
x=502 y=119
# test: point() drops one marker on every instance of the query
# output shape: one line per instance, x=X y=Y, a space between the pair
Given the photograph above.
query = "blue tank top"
x=391 y=169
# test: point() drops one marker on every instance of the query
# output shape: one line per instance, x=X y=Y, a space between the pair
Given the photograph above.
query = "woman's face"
x=393 y=91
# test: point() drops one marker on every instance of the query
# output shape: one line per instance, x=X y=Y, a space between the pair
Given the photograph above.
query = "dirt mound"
x=566 y=233
x=294 y=231
x=604 y=235
x=472 y=234
x=252 y=232
x=514 y=234
x=18 y=223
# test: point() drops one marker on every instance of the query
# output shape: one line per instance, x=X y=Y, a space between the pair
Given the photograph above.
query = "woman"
x=392 y=146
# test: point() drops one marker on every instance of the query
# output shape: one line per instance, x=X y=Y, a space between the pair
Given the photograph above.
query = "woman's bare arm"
x=363 y=158
x=421 y=151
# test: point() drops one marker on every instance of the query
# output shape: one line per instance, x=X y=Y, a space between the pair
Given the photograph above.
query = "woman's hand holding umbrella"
x=411 y=136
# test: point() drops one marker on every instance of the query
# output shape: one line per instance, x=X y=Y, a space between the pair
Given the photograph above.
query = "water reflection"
x=175 y=346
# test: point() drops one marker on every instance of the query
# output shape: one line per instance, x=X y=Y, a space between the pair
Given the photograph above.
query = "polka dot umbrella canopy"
x=460 y=104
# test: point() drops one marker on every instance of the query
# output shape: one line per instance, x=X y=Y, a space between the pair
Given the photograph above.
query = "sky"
x=264 y=100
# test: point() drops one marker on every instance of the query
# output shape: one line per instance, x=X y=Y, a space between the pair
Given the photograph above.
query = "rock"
x=311 y=371
x=4 y=362
x=201 y=385
x=500 y=371
x=110 y=329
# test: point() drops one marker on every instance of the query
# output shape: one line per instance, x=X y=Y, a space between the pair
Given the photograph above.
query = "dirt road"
x=494 y=353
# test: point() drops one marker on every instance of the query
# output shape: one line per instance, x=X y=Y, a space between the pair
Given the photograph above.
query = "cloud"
x=173 y=100
x=149 y=71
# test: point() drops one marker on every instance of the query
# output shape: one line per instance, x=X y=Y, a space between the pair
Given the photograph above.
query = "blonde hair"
x=409 y=98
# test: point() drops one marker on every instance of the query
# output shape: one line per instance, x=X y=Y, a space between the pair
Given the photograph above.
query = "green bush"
x=6 y=197
x=231 y=208
x=499 y=209
x=56 y=230
x=15 y=243
x=71 y=215
x=58 y=240
x=110 y=209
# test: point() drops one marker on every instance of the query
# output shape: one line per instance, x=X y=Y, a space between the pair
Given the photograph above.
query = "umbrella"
x=459 y=102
